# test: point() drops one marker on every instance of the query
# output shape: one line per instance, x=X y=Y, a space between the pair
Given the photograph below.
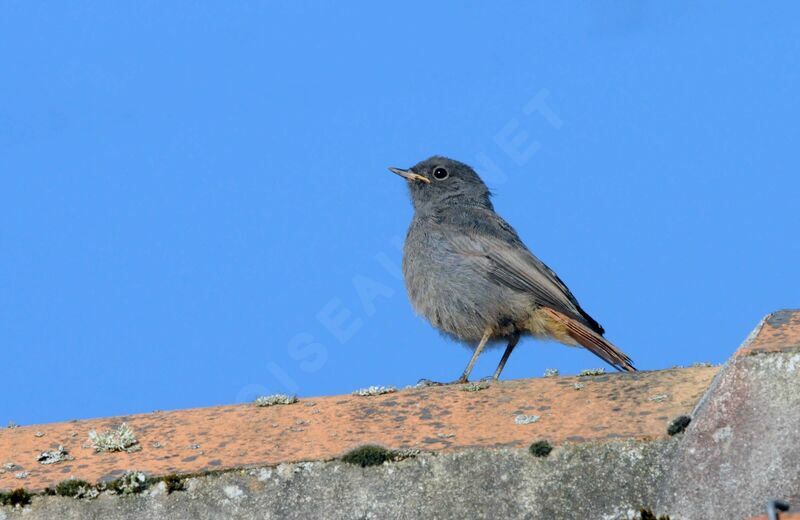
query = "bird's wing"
x=487 y=240
x=492 y=242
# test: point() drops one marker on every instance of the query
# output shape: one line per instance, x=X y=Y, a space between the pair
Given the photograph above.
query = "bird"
x=468 y=273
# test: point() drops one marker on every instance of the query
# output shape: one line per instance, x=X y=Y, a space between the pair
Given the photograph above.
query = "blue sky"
x=196 y=209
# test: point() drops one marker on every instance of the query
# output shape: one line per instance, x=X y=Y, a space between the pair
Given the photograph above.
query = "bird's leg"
x=509 y=349
x=481 y=345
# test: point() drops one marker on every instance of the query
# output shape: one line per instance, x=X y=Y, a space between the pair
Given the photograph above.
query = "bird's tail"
x=592 y=341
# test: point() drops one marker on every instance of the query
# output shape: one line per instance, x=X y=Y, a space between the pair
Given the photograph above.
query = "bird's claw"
x=424 y=383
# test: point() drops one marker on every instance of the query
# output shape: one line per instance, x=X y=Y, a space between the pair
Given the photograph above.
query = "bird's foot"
x=424 y=383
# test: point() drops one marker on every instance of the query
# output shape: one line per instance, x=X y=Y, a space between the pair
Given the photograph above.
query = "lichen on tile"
x=121 y=439
x=375 y=390
x=523 y=419
x=54 y=456
x=128 y=484
x=275 y=399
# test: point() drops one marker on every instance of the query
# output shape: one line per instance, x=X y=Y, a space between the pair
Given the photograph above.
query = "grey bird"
x=469 y=274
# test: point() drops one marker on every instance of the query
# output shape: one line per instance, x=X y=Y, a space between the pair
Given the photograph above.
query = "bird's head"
x=440 y=182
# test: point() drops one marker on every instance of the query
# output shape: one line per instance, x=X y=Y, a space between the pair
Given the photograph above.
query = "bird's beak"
x=408 y=174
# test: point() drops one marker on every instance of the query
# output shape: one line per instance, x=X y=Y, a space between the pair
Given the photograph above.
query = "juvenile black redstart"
x=469 y=274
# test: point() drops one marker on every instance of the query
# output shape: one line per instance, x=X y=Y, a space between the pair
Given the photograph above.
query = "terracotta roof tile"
x=510 y=413
x=778 y=332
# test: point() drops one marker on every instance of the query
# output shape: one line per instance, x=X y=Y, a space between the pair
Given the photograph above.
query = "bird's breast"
x=451 y=290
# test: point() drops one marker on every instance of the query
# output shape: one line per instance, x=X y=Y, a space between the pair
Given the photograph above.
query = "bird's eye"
x=440 y=173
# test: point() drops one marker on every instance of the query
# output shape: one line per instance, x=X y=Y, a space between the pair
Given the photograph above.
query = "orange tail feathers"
x=592 y=341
